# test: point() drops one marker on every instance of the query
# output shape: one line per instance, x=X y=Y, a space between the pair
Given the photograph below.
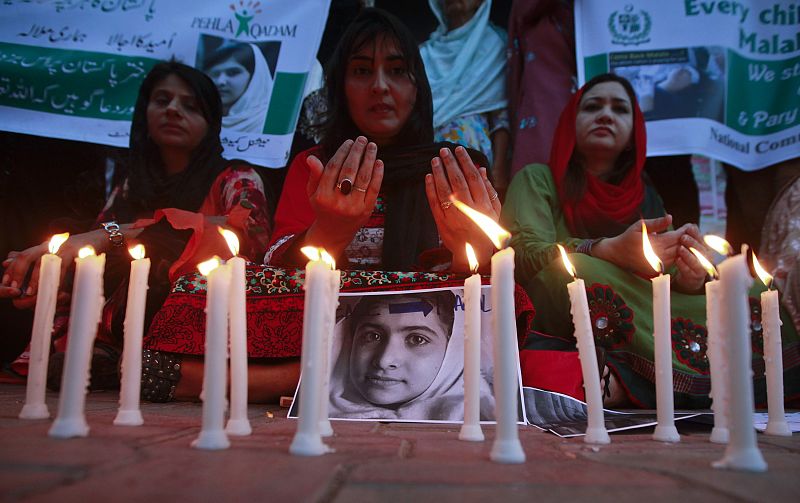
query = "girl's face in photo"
x=396 y=356
x=174 y=117
x=379 y=90
x=604 y=121
x=231 y=80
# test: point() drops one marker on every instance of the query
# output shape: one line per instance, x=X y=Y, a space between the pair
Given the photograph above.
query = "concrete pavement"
x=372 y=462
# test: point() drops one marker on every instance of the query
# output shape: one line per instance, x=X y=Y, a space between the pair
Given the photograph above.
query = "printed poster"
x=71 y=69
x=399 y=357
x=717 y=78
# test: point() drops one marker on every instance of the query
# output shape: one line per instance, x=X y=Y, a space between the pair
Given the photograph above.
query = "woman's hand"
x=457 y=175
x=340 y=215
x=626 y=251
x=691 y=274
x=19 y=263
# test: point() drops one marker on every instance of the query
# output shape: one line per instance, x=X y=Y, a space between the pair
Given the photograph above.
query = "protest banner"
x=718 y=78
x=71 y=69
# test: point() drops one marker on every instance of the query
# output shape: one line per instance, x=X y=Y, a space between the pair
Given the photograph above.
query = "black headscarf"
x=410 y=228
x=149 y=187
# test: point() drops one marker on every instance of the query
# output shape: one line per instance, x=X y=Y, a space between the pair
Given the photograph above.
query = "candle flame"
x=472 y=259
x=231 y=239
x=326 y=257
x=137 y=252
x=718 y=244
x=766 y=277
x=567 y=264
x=314 y=253
x=649 y=253
x=86 y=251
x=497 y=234
x=209 y=265
x=707 y=265
x=56 y=242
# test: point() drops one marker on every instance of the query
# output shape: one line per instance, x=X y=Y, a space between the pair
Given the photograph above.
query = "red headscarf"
x=602 y=202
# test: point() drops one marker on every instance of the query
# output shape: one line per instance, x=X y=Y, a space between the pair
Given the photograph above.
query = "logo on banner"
x=629 y=27
x=243 y=24
x=244 y=14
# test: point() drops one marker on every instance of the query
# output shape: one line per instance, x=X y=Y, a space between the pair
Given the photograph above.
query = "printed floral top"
x=236 y=187
x=474 y=130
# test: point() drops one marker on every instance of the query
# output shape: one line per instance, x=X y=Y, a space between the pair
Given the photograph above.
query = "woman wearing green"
x=590 y=199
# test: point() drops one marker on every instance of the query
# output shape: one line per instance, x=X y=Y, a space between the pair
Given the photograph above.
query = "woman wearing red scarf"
x=590 y=200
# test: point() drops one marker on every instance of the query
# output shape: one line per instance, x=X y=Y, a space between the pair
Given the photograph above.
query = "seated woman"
x=373 y=215
x=362 y=194
x=401 y=365
x=468 y=110
x=178 y=189
x=590 y=200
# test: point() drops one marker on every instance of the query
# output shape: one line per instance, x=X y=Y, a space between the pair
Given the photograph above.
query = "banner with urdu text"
x=71 y=69
x=714 y=77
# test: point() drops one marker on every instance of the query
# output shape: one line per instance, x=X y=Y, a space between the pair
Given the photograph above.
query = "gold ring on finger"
x=445 y=205
x=494 y=196
x=359 y=189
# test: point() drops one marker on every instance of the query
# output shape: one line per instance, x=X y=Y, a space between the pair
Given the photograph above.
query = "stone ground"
x=372 y=462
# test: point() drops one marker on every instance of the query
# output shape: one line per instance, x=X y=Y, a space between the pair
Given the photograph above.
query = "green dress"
x=620 y=302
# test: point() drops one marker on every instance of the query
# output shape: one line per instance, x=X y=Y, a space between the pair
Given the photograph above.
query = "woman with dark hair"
x=590 y=199
x=388 y=222
x=178 y=189
x=244 y=81
x=362 y=193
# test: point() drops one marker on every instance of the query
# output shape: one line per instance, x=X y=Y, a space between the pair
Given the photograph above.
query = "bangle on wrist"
x=586 y=245
x=115 y=236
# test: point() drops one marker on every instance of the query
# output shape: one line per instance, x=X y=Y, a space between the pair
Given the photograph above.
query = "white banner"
x=714 y=77
x=71 y=69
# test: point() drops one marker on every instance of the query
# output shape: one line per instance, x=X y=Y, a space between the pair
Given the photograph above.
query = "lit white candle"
x=715 y=352
x=662 y=341
x=773 y=355
x=596 y=432
x=471 y=429
x=506 y=447
x=325 y=428
x=215 y=379
x=84 y=318
x=129 y=413
x=238 y=422
x=46 y=294
x=742 y=451
x=307 y=439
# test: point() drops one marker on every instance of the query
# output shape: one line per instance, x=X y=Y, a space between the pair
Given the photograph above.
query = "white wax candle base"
x=507 y=451
x=666 y=434
x=325 y=428
x=778 y=429
x=597 y=436
x=34 y=411
x=471 y=433
x=212 y=440
x=69 y=428
x=238 y=427
x=719 y=435
x=305 y=444
x=746 y=460
x=129 y=418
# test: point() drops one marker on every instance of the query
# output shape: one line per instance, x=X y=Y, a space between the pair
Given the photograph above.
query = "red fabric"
x=294 y=213
x=602 y=201
x=558 y=371
x=541 y=75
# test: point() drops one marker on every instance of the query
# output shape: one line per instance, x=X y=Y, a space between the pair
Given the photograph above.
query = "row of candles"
x=226 y=328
